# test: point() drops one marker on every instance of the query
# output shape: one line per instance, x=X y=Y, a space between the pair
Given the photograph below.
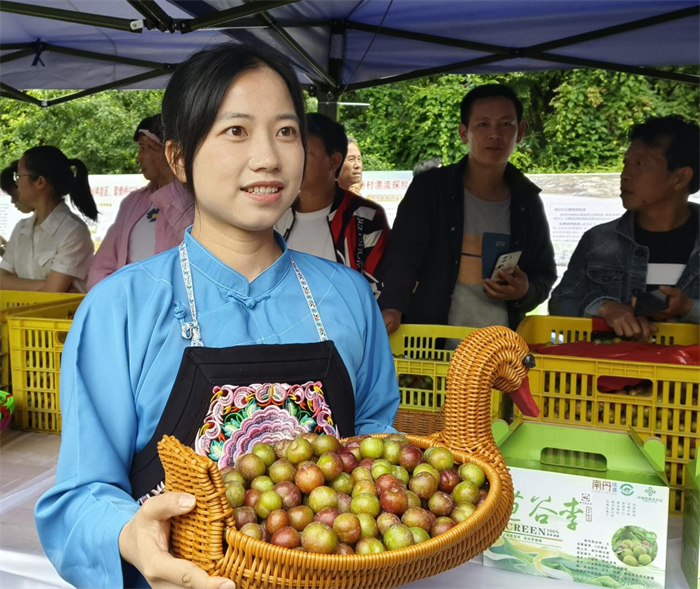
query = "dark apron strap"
x=202 y=369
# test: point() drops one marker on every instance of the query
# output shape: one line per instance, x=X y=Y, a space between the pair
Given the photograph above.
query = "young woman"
x=151 y=219
x=176 y=343
x=51 y=250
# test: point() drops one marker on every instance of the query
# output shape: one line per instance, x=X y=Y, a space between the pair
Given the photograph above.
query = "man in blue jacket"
x=455 y=222
x=653 y=247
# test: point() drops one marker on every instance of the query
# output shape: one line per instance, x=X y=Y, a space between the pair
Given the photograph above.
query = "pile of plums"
x=368 y=495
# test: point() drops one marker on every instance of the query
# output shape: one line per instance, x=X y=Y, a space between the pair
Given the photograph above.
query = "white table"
x=27 y=469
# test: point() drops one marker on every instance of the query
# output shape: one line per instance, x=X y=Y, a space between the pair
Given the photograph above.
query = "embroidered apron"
x=225 y=400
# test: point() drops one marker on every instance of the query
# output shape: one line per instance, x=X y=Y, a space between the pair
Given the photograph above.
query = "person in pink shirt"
x=150 y=220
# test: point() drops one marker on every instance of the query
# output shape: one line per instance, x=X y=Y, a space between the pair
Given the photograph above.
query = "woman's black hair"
x=197 y=88
x=7 y=178
x=51 y=163
x=152 y=124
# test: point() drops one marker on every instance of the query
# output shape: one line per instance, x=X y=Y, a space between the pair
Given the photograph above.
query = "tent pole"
x=72 y=16
x=10 y=92
x=155 y=16
x=221 y=18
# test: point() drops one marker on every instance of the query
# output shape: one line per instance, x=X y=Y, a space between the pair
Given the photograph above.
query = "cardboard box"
x=590 y=506
x=691 y=525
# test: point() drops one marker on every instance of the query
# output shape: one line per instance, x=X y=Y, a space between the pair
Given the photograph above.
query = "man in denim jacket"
x=654 y=245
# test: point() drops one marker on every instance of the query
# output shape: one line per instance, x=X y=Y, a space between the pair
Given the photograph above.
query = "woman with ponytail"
x=51 y=250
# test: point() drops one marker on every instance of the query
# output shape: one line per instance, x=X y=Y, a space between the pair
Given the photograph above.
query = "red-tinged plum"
x=299 y=451
x=288 y=492
x=254 y=531
x=361 y=473
x=319 y=538
x=251 y=498
x=286 y=537
x=282 y=470
x=372 y=448
x=364 y=487
x=322 y=497
x=367 y=463
x=402 y=474
x=269 y=501
x=473 y=473
x=262 y=484
x=419 y=535
x=369 y=546
x=425 y=467
x=276 y=520
x=392 y=450
x=347 y=527
x=235 y=494
x=423 y=484
x=394 y=500
x=309 y=477
x=330 y=464
x=417 y=517
x=349 y=461
x=368 y=525
x=410 y=457
x=300 y=517
x=466 y=492
x=413 y=499
x=344 y=549
x=441 y=459
x=325 y=444
x=448 y=480
x=243 y=516
x=365 y=503
x=397 y=537
x=327 y=516
x=265 y=452
x=386 y=482
x=482 y=497
x=281 y=448
x=250 y=466
x=344 y=501
x=342 y=484
x=441 y=504
x=400 y=438
x=441 y=525
x=386 y=520
x=233 y=476
x=462 y=511
x=309 y=437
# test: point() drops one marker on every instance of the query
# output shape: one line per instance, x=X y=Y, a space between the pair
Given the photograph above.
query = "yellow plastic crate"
x=36 y=339
x=10 y=300
x=665 y=405
x=421 y=367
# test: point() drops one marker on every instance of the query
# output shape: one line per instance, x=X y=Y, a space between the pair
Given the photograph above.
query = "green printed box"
x=691 y=525
x=590 y=506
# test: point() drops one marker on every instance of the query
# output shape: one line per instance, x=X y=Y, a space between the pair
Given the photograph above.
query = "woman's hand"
x=144 y=542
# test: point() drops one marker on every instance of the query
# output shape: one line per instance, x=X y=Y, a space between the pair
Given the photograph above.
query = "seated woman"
x=174 y=344
x=51 y=250
x=151 y=219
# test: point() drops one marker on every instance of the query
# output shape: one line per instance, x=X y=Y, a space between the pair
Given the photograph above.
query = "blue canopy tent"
x=338 y=45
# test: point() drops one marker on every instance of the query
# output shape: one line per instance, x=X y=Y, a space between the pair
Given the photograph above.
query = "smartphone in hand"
x=650 y=302
x=505 y=263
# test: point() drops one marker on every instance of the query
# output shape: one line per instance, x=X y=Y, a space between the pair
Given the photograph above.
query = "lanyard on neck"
x=191 y=330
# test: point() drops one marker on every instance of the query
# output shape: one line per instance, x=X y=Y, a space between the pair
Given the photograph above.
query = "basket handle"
x=198 y=535
x=491 y=357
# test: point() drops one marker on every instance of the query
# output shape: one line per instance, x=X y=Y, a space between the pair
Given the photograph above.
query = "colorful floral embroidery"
x=152 y=214
x=240 y=417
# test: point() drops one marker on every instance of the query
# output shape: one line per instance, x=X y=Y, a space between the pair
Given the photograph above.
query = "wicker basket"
x=488 y=358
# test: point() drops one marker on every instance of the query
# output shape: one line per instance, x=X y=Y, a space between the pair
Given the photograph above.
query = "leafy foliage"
x=578 y=120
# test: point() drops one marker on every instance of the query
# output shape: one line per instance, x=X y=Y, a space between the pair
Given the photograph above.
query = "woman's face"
x=249 y=167
x=27 y=194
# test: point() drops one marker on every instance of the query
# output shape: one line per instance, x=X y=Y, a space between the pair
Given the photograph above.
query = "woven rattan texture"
x=207 y=536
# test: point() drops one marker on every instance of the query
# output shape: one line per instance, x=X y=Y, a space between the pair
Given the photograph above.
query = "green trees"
x=578 y=120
